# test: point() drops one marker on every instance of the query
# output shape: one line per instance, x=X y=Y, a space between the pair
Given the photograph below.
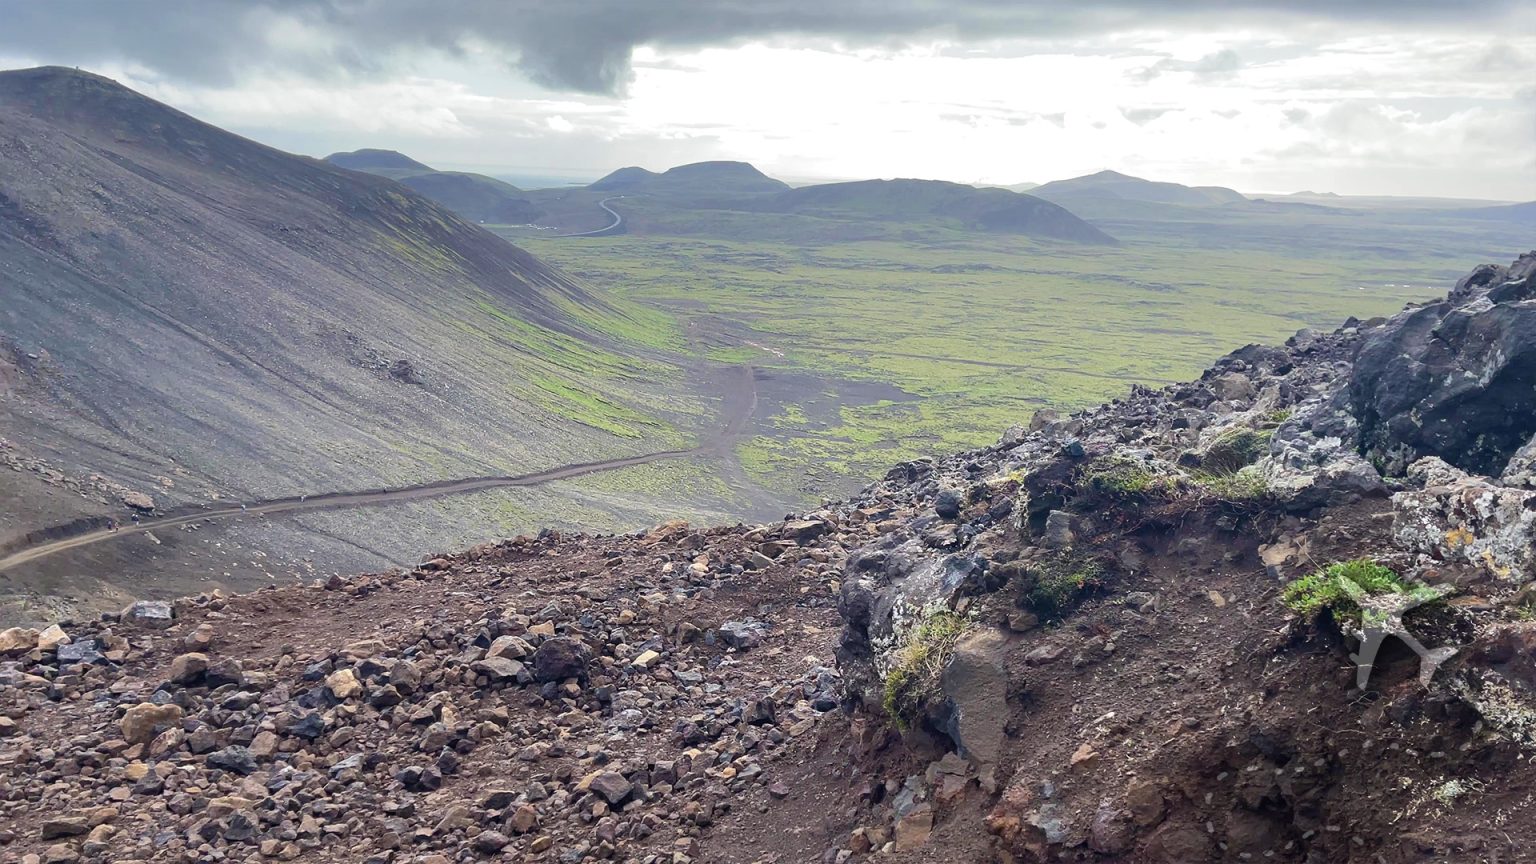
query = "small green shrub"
x=1325 y=589
x=914 y=679
x=1243 y=485
x=1060 y=583
x=1276 y=417
x=1124 y=477
x=1235 y=449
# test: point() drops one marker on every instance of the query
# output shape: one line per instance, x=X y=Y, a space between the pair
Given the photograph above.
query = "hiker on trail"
x=242 y=508
x=301 y=498
x=135 y=520
x=112 y=525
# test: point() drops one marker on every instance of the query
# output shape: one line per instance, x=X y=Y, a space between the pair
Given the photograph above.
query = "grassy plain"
x=896 y=340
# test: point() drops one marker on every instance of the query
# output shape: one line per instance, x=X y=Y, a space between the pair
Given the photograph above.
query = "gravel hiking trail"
x=738 y=402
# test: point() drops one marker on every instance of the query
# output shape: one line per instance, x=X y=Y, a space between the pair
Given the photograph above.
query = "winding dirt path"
x=738 y=403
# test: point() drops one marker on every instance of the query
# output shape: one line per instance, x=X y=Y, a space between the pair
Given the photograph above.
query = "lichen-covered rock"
x=881 y=611
x=1455 y=516
x=1312 y=460
x=1521 y=469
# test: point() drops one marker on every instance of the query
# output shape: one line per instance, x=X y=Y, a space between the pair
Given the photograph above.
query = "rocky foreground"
x=1083 y=643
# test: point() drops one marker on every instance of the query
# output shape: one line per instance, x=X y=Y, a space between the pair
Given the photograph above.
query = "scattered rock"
x=559 y=658
x=144 y=721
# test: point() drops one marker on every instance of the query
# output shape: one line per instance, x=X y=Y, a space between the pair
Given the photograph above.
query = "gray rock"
x=499 y=668
x=1232 y=387
x=491 y=842
x=612 y=785
x=1521 y=469
x=742 y=635
x=233 y=758
x=1058 y=530
x=155 y=614
x=976 y=683
x=83 y=651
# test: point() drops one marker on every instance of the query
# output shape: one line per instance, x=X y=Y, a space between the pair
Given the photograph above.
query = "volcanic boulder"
x=560 y=658
x=1454 y=379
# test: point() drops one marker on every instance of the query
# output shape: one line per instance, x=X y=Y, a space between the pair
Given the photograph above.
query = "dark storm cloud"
x=586 y=45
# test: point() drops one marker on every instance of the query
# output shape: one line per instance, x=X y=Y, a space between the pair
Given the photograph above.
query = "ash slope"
x=184 y=303
x=665 y=695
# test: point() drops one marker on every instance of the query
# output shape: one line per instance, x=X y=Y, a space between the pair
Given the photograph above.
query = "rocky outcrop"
x=1454 y=379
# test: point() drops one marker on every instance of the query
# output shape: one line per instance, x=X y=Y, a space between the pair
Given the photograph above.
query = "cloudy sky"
x=1406 y=97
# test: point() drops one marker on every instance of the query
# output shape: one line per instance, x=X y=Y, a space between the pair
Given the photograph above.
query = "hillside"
x=698 y=182
x=476 y=197
x=1123 y=187
x=992 y=210
x=192 y=315
x=1183 y=627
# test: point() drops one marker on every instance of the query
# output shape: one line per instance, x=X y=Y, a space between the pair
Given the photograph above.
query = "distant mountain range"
x=474 y=196
x=740 y=186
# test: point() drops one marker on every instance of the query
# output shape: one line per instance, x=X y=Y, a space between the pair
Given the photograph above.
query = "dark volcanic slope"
x=997 y=210
x=182 y=302
x=474 y=196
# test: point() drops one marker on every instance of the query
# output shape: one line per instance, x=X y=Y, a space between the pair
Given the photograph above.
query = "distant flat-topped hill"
x=474 y=196
x=381 y=162
x=697 y=181
x=991 y=209
x=1114 y=185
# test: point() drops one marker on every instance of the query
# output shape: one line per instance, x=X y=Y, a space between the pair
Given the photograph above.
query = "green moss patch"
x=1060 y=583
x=1124 y=477
x=1335 y=588
x=914 y=679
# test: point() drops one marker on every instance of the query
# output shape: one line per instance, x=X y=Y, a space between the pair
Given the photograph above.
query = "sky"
x=1373 y=97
